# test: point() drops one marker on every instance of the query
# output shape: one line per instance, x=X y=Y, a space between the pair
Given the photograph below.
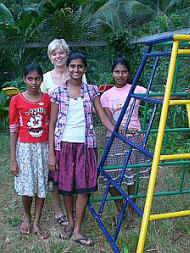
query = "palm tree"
x=33 y=21
x=165 y=7
x=118 y=15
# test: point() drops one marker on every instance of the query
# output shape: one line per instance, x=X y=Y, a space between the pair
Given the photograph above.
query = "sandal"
x=62 y=220
x=82 y=240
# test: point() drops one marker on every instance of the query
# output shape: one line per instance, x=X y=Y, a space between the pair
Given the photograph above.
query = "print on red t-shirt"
x=30 y=119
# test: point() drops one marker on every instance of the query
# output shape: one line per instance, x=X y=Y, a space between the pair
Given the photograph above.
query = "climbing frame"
x=158 y=107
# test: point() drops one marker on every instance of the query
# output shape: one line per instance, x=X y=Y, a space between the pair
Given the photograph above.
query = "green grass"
x=164 y=236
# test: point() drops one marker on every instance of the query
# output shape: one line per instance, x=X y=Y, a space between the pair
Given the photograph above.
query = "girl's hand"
x=14 y=168
x=52 y=163
x=122 y=130
x=132 y=131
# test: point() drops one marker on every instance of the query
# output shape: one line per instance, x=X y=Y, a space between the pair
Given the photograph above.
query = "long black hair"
x=32 y=67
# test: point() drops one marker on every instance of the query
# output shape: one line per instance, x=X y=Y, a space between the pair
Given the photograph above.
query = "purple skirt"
x=77 y=169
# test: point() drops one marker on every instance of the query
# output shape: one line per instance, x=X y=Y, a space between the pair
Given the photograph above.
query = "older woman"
x=58 y=51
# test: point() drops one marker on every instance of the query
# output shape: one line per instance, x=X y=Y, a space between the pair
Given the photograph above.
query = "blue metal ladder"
x=132 y=97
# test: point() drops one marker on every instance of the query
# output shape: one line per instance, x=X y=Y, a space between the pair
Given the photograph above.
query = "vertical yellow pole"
x=158 y=146
x=188 y=113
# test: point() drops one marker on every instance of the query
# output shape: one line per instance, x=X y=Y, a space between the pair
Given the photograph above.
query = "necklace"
x=32 y=98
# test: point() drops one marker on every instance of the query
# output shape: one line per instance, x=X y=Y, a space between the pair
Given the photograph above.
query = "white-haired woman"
x=58 y=52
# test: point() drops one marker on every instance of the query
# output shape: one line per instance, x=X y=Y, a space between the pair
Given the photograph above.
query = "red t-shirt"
x=30 y=119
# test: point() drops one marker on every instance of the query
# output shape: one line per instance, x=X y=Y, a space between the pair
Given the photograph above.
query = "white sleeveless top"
x=48 y=85
x=74 y=130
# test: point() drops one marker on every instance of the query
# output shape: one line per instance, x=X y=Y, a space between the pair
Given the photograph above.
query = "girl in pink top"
x=113 y=100
x=29 y=120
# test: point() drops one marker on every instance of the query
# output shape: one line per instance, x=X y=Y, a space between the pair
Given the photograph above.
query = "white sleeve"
x=47 y=83
x=43 y=87
x=84 y=80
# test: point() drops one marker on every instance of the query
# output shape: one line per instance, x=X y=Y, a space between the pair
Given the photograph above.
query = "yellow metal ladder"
x=147 y=216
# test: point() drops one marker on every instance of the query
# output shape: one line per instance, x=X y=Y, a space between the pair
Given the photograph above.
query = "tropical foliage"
x=117 y=22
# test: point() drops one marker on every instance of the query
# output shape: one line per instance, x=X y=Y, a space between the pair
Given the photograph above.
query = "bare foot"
x=25 y=227
x=43 y=234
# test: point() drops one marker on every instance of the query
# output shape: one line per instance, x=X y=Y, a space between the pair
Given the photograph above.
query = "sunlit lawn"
x=167 y=236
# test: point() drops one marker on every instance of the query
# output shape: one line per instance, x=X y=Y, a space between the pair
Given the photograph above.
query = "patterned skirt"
x=32 y=159
x=77 y=169
x=117 y=156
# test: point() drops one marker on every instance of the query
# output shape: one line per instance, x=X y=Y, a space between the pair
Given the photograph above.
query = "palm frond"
x=6 y=16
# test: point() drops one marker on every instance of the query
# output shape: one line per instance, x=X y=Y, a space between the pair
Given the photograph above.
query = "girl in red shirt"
x=29 y=118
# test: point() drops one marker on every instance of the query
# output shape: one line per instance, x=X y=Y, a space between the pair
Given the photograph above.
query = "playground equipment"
x=168 y=98
x=10 y=91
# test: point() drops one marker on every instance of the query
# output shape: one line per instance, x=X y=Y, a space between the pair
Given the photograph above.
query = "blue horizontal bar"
x=159 y=38
x=147 y=99
x=154 y=54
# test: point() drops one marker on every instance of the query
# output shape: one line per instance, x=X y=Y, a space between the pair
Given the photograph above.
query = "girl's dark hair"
x=120 y=60
x=32 y=67
x=75 y=56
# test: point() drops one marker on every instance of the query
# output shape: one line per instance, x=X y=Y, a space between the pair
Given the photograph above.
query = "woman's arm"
x=110 y=115
x=53 y=119
x=13 y=162
x=14 y=128
x=105 y=115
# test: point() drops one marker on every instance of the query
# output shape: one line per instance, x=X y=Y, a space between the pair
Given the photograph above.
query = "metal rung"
x=181 y=37
x=183 y=51
x=188 y=113
x=179 y=102
x=169 y=215
x=175 y=156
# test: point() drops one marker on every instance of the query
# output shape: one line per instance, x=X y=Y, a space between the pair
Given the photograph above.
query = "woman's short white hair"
x=57 y=44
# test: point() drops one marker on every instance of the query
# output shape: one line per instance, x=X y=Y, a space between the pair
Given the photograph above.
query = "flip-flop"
x=62 y=220
x=83 y=240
